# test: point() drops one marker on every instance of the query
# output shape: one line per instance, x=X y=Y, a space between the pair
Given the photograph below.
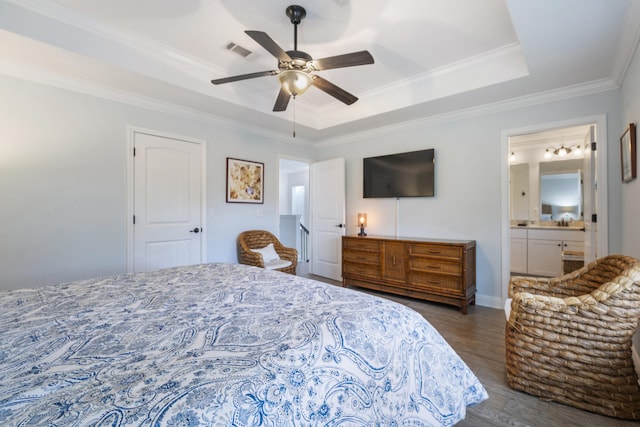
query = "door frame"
x=308 y=162
x=131 y=131
x=600 y=121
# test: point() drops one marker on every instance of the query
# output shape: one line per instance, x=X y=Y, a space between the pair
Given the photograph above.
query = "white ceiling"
x=432 y=57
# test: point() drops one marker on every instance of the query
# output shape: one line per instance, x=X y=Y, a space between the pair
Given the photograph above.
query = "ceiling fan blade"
x=244 y=77
x=282 y=101
x=267 y=42
x=347 y=60
x=333 y=90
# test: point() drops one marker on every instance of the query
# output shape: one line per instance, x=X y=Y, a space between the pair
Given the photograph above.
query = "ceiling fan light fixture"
x=295 y=82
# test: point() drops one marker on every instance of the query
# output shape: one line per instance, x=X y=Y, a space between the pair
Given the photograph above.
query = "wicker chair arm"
x=288 y=254
x=249 y=257
x=534 y=285
x=589 y=305
x=524 y=303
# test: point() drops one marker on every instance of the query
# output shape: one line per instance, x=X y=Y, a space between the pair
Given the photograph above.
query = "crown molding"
x=492 y=67
x=497 y=65
x=628 y=43
x=111 y=94
x=145 y=47
x=315 y=119
x=569 y=92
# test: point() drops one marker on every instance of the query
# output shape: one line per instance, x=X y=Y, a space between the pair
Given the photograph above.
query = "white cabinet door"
x=573 y=246
x=518 y=255
x=544 y=257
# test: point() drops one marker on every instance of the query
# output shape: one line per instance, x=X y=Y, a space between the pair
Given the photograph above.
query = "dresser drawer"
x=361 y=270
x=435 y=270
x=361 y=245
x=363 y=257
x=435 y=266
x=436 y=250
x=436 y=282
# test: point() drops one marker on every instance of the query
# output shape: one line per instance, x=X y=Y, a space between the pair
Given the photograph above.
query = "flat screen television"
x=410 y=174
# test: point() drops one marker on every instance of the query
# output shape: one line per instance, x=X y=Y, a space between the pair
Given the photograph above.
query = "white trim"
x=489 y=301
x=117 y=95
x=570 y=92
x=295 y=159
x=131 y=131
x=600 y=122
x=309 y=213
x=112 y=94
x=627 y=43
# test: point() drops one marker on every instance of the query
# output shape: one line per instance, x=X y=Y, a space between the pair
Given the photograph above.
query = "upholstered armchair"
x=568 y=339
x=254 y=249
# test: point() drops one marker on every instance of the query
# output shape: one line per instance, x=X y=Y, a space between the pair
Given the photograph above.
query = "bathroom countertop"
x=547 y=227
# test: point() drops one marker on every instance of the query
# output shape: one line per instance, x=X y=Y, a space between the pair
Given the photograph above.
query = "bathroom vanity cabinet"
x=538 y=251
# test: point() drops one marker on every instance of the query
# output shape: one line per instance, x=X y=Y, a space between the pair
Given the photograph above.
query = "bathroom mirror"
x=561 y=190
x=546 y=191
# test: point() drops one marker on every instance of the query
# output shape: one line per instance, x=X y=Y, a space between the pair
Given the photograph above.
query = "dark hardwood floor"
x=478 y=338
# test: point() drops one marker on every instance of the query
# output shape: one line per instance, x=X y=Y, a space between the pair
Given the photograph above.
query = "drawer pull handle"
x=433 y=282
x=435 y=267
x=434 y=252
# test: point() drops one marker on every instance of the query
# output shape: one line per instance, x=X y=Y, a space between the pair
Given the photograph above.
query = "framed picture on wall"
x=245 y=181
x=628 y=153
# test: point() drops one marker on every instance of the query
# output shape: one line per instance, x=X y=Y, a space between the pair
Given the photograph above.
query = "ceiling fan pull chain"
x=294 y=116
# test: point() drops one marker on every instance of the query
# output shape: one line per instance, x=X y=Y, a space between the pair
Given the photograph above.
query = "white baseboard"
x=487 y=301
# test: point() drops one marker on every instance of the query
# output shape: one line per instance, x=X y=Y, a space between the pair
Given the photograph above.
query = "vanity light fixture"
x=578 y=151
x=563 y=151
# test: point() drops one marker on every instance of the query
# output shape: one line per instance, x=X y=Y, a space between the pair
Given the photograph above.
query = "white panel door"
x=327 y=217
x=167 y=202
x=589 y=185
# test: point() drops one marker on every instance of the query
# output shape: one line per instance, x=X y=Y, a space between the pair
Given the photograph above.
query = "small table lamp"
x=362 y=223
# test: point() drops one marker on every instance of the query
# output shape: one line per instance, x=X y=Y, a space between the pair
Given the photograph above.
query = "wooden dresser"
x=434 y=270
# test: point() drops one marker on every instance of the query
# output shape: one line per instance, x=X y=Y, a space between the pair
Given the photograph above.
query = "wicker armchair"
x=256 y=239
x=568 y=339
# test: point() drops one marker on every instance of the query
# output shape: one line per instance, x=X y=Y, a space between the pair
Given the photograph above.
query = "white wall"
x=630 y=203
x=63 y=180
x=63 y=172
x=469 y=160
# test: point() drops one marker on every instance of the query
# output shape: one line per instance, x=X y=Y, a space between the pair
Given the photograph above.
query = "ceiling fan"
x=296 y=68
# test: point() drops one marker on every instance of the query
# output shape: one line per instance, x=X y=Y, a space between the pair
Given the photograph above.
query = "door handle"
x=195 y=230
x=340 y=225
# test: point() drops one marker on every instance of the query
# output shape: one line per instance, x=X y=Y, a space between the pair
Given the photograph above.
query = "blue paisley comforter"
x=222 y=345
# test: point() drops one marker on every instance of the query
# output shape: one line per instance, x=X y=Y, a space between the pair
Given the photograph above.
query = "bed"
x=223 y=345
